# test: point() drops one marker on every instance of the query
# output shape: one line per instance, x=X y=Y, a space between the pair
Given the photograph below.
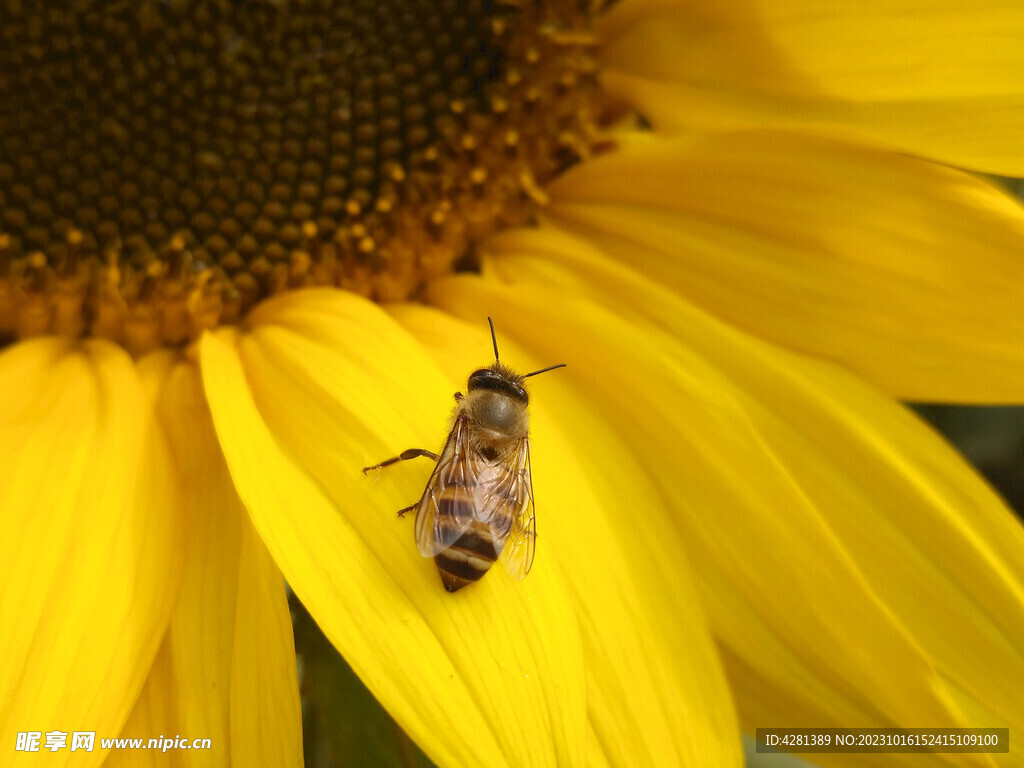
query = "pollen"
x=164 y=166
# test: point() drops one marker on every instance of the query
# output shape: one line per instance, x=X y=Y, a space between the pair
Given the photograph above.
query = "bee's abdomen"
x=468 y=558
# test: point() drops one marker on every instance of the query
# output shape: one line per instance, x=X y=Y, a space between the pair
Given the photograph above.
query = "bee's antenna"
x=494 y=339
x=544 y=370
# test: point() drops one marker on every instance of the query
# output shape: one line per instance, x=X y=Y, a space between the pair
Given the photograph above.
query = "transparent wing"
x=447 y=506
x=517 y=487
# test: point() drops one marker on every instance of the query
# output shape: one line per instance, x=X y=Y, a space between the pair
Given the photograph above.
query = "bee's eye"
x=485 y=378
x=488 y=378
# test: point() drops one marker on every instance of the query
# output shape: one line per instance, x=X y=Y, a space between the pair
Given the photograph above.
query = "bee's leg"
x=458 y=397
x=403 y=510
x=412 y=453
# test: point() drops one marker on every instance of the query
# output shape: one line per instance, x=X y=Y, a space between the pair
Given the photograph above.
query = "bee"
x=478 y=504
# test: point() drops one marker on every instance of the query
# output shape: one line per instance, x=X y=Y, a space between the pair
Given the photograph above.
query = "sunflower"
x=248 y=249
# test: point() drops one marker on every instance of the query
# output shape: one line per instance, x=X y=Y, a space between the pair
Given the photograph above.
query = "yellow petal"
x=201 y=637
x=92 y=543
x=655 y=691
x=153 y=716
x=939 y=78
x=814 y=509
x=266 y=721
x=907 y=272
x=230 y=641
x=324 y=384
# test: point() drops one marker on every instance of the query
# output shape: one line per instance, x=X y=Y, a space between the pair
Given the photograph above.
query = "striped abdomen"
x=472 y=554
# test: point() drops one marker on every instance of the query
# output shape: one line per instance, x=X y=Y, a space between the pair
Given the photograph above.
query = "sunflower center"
x=165 y=164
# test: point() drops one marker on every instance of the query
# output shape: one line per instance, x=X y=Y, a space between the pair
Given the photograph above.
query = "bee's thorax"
x=501 y=417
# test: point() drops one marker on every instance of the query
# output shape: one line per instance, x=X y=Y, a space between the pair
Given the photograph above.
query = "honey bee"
x=478 y=504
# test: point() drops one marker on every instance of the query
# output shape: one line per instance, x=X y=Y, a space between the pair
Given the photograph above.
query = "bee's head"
x=498 y=378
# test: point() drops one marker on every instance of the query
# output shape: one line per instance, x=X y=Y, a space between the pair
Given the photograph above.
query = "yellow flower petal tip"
x=500 y=660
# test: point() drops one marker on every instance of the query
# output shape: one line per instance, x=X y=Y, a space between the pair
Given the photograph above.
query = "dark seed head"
x=165 y=165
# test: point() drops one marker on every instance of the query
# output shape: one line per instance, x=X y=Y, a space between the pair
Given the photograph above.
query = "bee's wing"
x=517 y=485
x=440 y=515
